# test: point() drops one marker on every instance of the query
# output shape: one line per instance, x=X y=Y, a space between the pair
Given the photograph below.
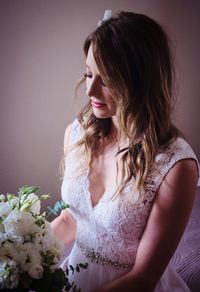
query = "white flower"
x=33 y=203
x=14 y=202
x=35 y=208
x=9 y=249
x=46 y=241
x=36 y=204
x=9 y=273
x=5 y=209
x=44 y=238
x=19 y=223
x=2 y=197
x=35 y=271
x=28 y=255
x=27 y=242
x=3 y=237
x=16 y=238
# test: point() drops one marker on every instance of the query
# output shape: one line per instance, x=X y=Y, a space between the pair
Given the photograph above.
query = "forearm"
x=128 y=282
x=64 y=228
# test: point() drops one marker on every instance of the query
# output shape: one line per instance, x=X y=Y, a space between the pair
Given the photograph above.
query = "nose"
x=92 y=87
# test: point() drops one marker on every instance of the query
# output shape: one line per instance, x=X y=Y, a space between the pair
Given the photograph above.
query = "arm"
x=168 y=218
x=64 y=226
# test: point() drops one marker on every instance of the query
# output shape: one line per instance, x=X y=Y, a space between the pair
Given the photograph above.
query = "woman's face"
x=102 y=102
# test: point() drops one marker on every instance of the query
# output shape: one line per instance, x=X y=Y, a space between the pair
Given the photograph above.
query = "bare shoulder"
x=67 y=136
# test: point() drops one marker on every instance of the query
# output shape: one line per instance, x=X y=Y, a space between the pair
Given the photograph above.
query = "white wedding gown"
x=109 y=233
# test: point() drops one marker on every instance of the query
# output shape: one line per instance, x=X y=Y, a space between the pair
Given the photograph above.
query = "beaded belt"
x=96 y=257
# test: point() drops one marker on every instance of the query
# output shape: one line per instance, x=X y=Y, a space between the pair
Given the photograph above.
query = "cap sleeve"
x=178 y=150
x=76 y=132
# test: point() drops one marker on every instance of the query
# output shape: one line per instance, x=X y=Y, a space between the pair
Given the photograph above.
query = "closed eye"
x=88 y=75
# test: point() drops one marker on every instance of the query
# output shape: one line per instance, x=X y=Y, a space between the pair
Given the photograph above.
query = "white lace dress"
x=108 y=234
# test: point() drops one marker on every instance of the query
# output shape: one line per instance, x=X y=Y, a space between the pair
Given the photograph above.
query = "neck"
x=115 y=125
x=115 y=131
x=115 y=138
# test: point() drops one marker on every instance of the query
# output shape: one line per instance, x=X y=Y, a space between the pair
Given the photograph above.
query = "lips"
x=98 y=104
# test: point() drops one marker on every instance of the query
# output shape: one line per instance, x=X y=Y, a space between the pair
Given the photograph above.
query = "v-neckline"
x=87 y=182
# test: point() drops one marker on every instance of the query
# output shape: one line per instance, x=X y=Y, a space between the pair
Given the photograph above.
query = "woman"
x=130 y=178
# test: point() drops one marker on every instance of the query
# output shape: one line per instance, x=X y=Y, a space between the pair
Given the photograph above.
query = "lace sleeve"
x=177 y=151
x=76 y=132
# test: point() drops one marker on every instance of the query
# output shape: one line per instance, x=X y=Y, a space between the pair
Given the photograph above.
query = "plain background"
x=41 y=59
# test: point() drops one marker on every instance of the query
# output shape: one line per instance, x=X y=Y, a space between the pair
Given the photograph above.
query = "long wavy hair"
x=134 y=59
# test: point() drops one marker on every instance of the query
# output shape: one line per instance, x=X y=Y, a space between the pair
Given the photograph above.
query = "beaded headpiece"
x=107 y=15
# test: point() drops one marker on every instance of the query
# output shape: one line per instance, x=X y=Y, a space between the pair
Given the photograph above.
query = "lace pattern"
x=113 y=228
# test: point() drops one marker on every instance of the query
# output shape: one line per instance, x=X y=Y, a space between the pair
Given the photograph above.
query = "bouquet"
x=29 y=252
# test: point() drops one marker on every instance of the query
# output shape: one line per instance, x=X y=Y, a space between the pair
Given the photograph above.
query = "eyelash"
x=88 y=75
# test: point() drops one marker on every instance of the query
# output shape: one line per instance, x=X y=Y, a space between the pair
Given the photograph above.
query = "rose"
x=20 y=223
x=30 y=259
x=28 y=249
x=9 y=249
x=36 y=271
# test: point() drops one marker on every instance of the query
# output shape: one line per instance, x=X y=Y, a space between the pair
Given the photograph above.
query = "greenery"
x=53 y=278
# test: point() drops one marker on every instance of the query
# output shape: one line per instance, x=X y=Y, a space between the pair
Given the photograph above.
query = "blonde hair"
x=134 y=59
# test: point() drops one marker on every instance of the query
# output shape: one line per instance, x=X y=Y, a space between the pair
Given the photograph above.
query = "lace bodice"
x=114 y=228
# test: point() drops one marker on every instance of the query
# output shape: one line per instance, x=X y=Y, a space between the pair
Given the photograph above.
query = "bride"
x=130 y=177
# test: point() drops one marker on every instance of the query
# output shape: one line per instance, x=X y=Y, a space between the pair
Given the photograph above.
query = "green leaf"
x=64 y=205
x=44 y=197
x=51 y=211
x=71 y=267
x=10 y=197
x=67 y=271
x=58 y=280
x=83 y=266
x=44 y=283
x=59 y=205
x=27 y=190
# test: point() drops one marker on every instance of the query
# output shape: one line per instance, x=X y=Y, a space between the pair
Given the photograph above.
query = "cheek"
x=87 y=85
x=112 y=105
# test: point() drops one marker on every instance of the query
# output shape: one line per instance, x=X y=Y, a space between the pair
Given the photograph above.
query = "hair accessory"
x=107 y=15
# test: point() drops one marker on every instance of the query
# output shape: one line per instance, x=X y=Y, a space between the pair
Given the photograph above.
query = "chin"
x=102 y=114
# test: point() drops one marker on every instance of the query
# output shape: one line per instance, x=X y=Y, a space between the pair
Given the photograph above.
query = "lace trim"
x=97 y=258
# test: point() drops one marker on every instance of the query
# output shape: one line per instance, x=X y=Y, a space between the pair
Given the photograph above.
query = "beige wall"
x=40 y=60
